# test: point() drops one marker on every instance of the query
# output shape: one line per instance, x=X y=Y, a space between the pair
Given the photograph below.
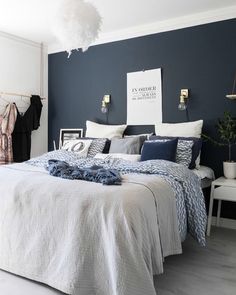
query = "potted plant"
x=227 y=131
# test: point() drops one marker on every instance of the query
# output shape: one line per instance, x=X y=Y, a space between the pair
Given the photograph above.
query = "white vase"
x=229 y=170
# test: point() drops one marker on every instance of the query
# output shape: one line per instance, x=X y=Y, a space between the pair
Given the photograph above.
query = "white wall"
x=20 y=63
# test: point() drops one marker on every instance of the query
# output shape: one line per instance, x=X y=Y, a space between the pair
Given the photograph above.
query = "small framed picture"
x=69 y=134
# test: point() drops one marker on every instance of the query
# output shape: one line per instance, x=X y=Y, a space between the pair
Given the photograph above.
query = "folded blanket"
x=95 y=173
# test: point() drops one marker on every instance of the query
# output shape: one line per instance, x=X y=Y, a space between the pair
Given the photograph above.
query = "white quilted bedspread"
x=84 y=238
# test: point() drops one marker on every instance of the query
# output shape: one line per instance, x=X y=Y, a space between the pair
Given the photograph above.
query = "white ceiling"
x=30 y=19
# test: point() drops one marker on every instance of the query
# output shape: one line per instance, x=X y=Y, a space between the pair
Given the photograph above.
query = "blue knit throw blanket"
x=95 y=173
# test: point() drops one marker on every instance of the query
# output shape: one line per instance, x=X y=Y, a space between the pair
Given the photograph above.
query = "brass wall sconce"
x=105 y=103
x=184 y=95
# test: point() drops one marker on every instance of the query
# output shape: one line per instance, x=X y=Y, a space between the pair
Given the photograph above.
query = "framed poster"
x=69 y=134
x=144 y=97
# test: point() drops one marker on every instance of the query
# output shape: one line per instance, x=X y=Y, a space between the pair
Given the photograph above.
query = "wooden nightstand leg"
x=210 y=210
x=218 y=213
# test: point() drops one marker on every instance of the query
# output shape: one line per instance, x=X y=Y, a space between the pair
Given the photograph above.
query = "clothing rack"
x=18 y=94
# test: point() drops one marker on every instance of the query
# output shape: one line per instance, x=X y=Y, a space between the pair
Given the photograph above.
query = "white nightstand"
x=221 y=189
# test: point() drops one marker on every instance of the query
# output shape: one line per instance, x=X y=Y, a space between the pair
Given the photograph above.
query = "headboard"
x=139 y=129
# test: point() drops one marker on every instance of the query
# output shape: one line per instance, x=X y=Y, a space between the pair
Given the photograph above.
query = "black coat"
x=25 y=124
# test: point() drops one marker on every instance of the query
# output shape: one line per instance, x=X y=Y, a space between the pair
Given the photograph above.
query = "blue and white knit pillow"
x=97 y=146
x=184 y=151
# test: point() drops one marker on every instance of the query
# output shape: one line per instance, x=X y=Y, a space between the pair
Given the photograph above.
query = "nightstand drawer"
x=225 y=193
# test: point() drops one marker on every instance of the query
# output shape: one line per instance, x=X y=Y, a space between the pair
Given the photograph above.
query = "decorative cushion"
x=127 y=157
x=128 y=145
x=104 y=131
x=184 y=144
x=184 y=152
x=142 y=137
x=93 y=151
x=165 y=150
x=97 y=146
x=77 y=146
x=188 y=129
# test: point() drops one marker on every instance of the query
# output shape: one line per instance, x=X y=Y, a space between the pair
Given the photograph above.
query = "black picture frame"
x=69 y=134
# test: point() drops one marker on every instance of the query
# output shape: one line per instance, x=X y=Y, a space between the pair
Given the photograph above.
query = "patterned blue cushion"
x=196 y=147
x=165 y=150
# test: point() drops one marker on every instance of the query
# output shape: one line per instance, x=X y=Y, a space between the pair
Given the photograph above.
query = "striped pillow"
x=97 y=146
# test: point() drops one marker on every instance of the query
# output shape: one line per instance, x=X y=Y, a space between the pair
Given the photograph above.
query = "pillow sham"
x=128 y=145
x=187 y=129
x=104 y=131
x=77 y=146
x=153 y=150
x=196 y=148
x=97 y=146
x=184 y=151
x=127 y=157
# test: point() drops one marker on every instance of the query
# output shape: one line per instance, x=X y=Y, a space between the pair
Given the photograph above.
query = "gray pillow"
x=128 y=145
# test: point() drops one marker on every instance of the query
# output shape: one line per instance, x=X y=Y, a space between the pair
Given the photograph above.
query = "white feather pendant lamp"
x=76 y=24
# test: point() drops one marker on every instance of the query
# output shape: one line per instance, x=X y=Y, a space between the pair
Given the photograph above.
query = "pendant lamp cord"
x=234 y=85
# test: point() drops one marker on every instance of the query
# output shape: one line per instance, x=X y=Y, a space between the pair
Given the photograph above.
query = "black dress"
x=25 y=124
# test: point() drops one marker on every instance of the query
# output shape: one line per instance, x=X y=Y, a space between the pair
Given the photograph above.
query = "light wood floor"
x=202 y=271
x=199 y=271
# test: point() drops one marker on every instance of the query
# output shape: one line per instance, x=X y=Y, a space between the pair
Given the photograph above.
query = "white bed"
x=85 y=238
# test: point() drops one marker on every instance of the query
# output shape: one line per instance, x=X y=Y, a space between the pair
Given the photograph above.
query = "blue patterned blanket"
x=190 y=202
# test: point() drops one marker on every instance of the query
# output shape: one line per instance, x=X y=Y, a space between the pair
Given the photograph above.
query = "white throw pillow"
x=127 y=157
x=104 y=131
x=77 y=146
x=188 y=129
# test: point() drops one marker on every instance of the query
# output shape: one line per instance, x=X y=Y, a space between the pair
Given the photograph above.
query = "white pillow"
x=188 y=129
x=127 y=157
x=77 y=146
x=104 y=131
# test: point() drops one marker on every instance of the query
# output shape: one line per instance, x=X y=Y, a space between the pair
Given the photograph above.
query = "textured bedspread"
x=84 y=238
x=186 y=185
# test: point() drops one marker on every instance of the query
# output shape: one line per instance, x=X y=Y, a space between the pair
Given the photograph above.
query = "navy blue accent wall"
x=201 y=58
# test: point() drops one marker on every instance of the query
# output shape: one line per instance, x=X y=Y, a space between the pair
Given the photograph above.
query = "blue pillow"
x=196 y=149
x=159 y=150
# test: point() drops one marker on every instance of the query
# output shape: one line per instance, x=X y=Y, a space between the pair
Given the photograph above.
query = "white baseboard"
x=225 y=222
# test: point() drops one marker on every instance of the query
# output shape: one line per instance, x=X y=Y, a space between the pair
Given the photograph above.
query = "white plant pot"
x=229 y=170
